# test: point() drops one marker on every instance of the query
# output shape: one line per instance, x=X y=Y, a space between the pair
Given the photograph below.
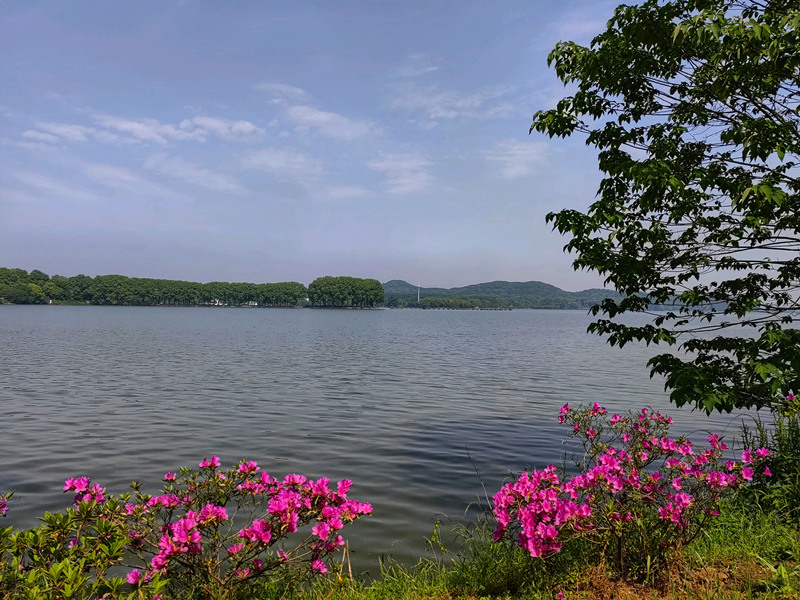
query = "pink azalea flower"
x=767 y=472
x=248 y=467
x=214 y=462
x=319 y=566
x=235 y=548
x=133 y=577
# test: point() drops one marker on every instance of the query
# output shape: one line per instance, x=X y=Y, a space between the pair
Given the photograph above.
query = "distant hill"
x=494 y=294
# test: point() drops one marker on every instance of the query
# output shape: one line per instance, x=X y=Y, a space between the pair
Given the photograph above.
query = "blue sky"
x=271 y=141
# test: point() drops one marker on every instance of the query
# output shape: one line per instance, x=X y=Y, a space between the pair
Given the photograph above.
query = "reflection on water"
x=420 y=409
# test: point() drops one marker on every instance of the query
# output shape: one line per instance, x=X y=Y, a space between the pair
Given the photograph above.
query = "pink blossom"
x=211 y=513
x=767 y=472
x=206 y=463
x=235 y=548
x=343 y=487
x=170 y=476
x=78 y=485
x=250 y=466
x=133 y=577
x=319 y=566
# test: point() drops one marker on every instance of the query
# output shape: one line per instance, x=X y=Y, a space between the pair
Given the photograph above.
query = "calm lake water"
x=419 y=408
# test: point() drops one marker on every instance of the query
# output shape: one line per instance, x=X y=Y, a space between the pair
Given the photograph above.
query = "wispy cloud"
x=125 y=180
x=65 y=131
x=437 y=104
x=328 y=123
x=41 y=136
x=405 y=173
x=285 y=163
x=146 y=130
x=116 y=129
x=416 y=65
x=52 y=188
x=222 y=128
x=282 y=93
x=517 y=159
x=178 y=168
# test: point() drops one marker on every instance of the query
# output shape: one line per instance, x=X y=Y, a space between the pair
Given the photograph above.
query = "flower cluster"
x=210 y=532
x=639 y=490
x=85 y=490
x=188 y=535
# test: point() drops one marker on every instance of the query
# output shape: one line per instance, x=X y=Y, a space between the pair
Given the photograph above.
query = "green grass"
x=745 y=554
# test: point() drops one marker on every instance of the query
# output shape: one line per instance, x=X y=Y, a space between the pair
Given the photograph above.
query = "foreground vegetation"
x=746 y=554
x=646 y=516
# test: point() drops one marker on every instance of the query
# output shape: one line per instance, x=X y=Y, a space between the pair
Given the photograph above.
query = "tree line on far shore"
x=18 y=286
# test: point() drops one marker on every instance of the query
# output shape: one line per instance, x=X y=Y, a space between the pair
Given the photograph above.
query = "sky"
x=283 y=141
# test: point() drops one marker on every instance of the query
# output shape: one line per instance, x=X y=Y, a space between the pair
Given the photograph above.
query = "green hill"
x=494 y=294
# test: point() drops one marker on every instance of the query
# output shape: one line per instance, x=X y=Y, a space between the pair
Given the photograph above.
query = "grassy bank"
x=746 y=553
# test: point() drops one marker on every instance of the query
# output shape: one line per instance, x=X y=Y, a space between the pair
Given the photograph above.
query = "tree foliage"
x=345 y=292
x=17 y=286
x=693 y=106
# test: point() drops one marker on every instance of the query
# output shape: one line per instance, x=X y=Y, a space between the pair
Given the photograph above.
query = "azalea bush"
x=780 y=492
x=219 y=531
x=74 y=554
x=641 y=495
x=211 y=533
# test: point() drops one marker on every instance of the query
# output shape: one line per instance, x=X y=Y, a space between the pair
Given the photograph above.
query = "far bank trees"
x=345 y=292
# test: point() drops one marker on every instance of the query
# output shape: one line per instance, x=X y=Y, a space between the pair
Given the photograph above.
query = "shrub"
x=73 y=553
x=781 y=491
x=188 y=535
x=641 y=496
x=212 y=533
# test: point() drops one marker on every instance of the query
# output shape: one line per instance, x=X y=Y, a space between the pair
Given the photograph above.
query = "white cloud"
x=114 y=129
x=437 y=105
x=416 y=65
x=285 y=163
x=517 y=159
x=177 y=167
x=222 y=128
x=54 y=189
x=328 y=123
x=405 y=173
x=148 y=130
x=40 y=136
x=71 y=133
x=125 y=180
x=283 y=93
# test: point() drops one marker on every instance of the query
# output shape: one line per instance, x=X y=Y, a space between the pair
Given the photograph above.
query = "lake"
x=421 y=409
